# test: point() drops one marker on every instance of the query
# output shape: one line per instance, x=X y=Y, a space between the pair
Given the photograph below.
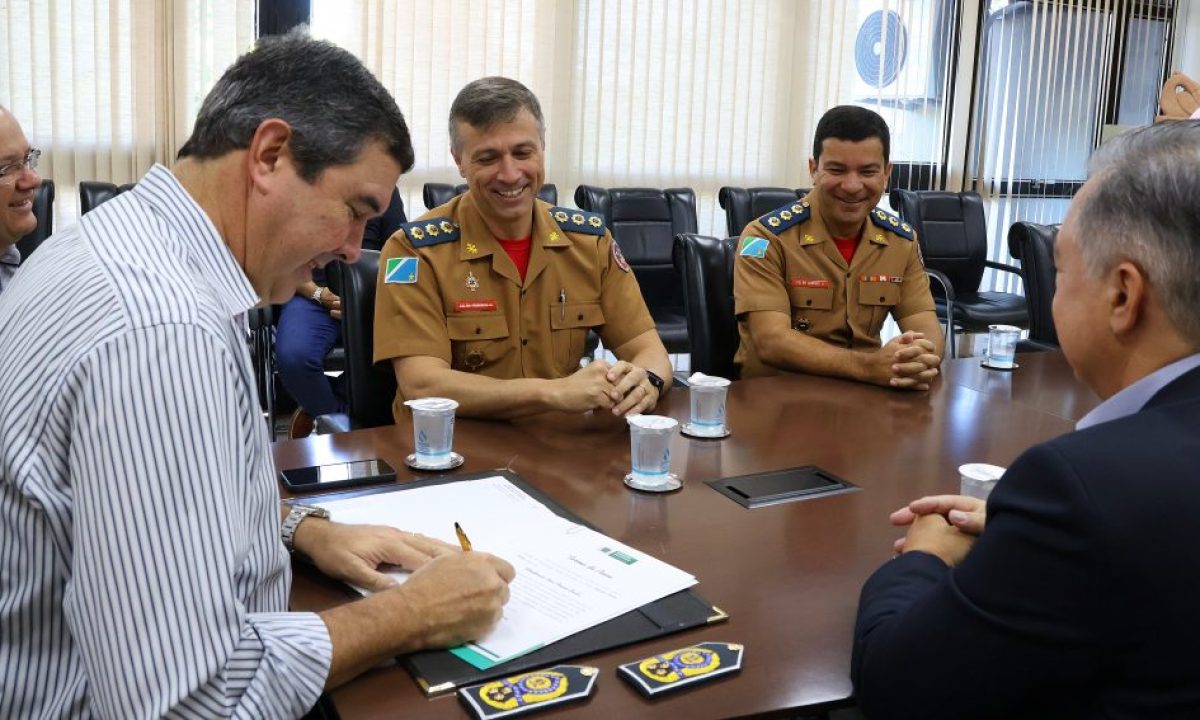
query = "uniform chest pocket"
x=810 y=298
x=875 y=299
x=477 y=340
x=878 y=293
x=569 y=324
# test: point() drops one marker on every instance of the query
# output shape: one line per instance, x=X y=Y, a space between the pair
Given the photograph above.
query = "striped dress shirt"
x=141 y=570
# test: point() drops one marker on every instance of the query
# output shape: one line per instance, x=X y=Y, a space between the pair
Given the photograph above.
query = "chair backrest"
x=93 y=193
x=43 y=210
x=742 y=205
x=1033 y=245
x=705 y=268
x=437 y=194
x=644 y=223
x=952 y=231
x=370 y=389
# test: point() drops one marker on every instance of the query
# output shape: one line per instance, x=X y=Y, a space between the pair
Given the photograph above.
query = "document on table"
x=569 y=577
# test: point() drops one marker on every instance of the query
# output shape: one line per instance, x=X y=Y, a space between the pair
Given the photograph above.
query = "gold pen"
x=463 y=540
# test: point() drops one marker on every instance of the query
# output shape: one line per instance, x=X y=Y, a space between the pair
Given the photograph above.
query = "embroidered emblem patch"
x=400 y=270
x=755 y=247
x=618 y=258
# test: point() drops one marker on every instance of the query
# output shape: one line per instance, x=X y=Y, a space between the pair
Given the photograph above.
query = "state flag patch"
x=755 y=247
x=401 y=270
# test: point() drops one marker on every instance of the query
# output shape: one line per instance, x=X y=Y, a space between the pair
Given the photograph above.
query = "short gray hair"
x=1144 y=206
x=333 y=104
x=491 y=100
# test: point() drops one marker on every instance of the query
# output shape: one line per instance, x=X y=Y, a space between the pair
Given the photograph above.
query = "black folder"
x=439 y=671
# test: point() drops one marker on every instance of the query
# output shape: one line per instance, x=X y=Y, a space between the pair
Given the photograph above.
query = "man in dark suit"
x=1080 y=598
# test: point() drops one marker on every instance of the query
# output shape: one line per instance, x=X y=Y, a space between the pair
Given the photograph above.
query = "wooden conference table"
x=788 y=575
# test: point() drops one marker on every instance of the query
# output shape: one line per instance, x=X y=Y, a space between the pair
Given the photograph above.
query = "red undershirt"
x=518 y=250
x=846 y=246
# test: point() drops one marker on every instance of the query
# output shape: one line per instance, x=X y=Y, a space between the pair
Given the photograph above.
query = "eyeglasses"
x=9 y=172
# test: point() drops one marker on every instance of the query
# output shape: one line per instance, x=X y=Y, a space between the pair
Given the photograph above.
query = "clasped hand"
x=908 y=361
x=622 y=387
x=942 y=525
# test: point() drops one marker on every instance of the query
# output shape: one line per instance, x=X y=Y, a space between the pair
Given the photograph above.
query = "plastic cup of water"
x=707 y=394
x=1002 y=346
x=977 y=479
x=433 y=430
x=650 y=453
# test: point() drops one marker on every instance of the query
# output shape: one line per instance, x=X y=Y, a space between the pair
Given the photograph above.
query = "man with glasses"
x=18 y=182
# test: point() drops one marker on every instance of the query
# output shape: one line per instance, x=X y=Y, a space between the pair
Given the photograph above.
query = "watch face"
x=655 y=380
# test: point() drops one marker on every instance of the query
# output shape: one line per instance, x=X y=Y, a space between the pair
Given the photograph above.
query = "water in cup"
x=1002 y=345
x=433 y=429
x=707 y=394
x=650 y=452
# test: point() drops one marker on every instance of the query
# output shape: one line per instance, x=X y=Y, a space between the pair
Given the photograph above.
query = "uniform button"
x=478 y=331
x=880 y=298
x=580 y=316
x=522 y=291
x=524 y=342
x=808 y=302
x=847 y=276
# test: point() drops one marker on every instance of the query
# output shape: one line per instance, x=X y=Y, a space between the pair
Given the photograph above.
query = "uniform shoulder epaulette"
x=580 y=221
x=784 y=217
x=890 y=222
x=431 y=231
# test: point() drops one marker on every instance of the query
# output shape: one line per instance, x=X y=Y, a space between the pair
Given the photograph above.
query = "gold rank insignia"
x=797 y=208
x=786 y=214
x=417 y=233
x=431 y=229
x=561 y=216
x=879 y=237
x=553 y=235
x=906 y=227
x=594 y=221
x=577 y=219
x=894 y=222
x=472 y=281
x=472 y=249
x=809 y=239
x=447 y=226
x=773 y=221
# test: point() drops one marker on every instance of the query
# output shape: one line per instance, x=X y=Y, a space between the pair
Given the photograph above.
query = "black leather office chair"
x=742 y=205
x=952 y=231
x=644 y=222
x=1033 y=245
x=705 y=268
x=438 y=194
x=43 y=210
x=370 y=389
x=93 y=193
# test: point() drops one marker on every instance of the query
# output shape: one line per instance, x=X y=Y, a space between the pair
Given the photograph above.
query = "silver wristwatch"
x=295 y=516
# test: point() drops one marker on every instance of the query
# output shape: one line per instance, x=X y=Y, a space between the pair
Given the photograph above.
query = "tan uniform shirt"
x=453 y=293
x=788 y=262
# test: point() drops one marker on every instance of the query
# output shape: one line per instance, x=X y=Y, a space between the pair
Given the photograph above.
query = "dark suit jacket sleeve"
x=1014 y=625
x=379 y=229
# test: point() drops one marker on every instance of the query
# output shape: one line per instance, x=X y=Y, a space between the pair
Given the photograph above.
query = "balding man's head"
x=18 y=182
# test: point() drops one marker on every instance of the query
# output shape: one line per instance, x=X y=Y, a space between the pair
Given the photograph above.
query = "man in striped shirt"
x=141 y=568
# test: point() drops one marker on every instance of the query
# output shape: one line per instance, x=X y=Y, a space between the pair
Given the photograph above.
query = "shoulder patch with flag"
x=755 y=247
x=401 y=270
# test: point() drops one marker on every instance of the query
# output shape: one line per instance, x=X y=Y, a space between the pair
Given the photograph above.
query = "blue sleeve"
x=379 y=229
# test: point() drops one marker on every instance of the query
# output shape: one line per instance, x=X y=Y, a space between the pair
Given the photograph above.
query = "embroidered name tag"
x=474 y=305
x=809 y=283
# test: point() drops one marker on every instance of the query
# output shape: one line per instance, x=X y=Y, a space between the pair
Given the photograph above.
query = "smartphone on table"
x=338 y=475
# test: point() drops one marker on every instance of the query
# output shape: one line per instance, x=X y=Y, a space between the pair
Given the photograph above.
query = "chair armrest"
x=1001 y=266
x=943 y=280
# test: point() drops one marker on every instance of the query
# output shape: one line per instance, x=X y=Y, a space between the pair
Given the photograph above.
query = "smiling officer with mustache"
x=815 y=279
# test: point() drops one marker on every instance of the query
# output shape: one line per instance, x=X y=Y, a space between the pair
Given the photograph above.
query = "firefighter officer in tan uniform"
x=815 y=279
x=488 y=298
